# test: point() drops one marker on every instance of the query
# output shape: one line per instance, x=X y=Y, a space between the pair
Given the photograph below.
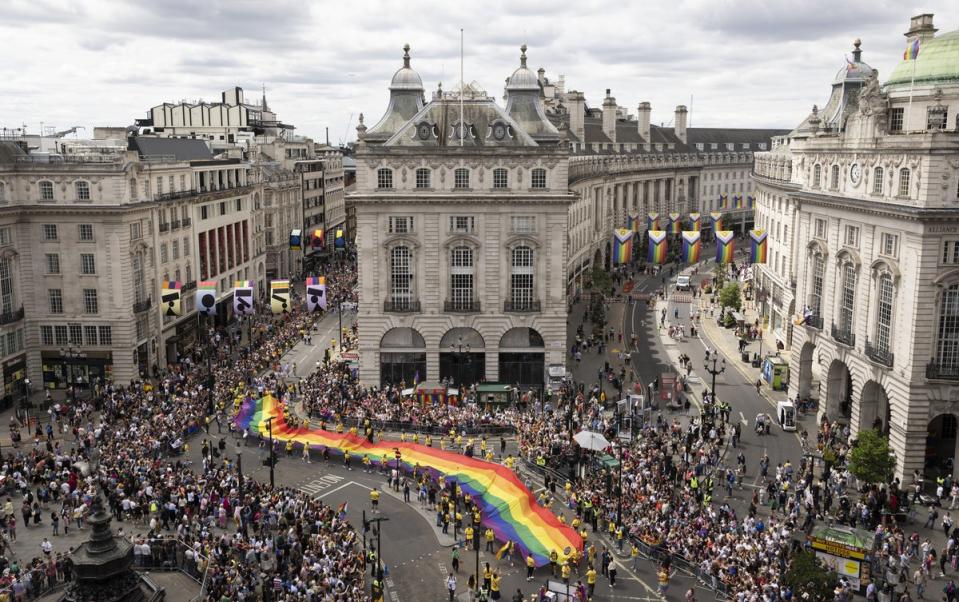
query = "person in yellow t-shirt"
x=469 y=537
x=565 y=572
x=590 y=581
x=494 y=586
x=530 y=566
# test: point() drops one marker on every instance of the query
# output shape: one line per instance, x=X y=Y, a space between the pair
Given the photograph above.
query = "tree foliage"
x=729 y=296
x=870 y=460
x=600 y=281
x=807 y=574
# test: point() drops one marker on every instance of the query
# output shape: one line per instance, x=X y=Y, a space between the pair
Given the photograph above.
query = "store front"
x=14 y=379
x=522 y=358
x=60 y=372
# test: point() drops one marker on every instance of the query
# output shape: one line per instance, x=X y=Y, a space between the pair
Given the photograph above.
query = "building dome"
x=938 y=63
x=405 y=78
x=522 y=78
x=855 y=70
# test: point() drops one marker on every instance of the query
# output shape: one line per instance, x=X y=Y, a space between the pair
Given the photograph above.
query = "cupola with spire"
x=406 y=100
x=524 y=103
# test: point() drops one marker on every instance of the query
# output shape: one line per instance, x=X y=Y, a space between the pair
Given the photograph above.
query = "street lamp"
x=71 y=355
x=461 y=352
x=713 y=357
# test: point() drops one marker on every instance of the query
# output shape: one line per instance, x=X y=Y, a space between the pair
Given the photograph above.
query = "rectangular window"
x=461 y=223
x=422 y=178
x=847 y=308
x=88 y=263
x=46 y=335
x=90 y=335
x=90 y=302
x=135 y=231
x=55 y=298
x=61 y=334
x=384 y=178
x=86 y=232
x=401 y=225
x=461 y=178
x=106 y=335
x=76 y=334
x=182 y=182
x=950 y=252
x=239 y=204
x=175 y=247
x=889 y=244
x=53 y=263
x=523 y=224
x=223 y=208
x=884 y=313
x=539 y=178
x=820 y=228
x=500 y=178
x=852 y=236
x=163 y=253
x=5 y=237
x=6 y=285
x=204 y=212
x=896 y=119
x=49 y=232
x=818 y=275
x=937 y=117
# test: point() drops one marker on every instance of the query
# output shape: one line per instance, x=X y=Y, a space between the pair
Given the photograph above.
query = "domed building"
x=862 y=199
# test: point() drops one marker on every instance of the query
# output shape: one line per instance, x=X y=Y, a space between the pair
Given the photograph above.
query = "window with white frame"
x=904 y=176
x=834 y=178
x=852 y=236
x=877 y=176
x=83 y=190
x=461 y=277
x=538 y=177
x=401 y=225
x=46 y=190
x=847 y=304
x=53 y=263
x=85 y=232
x=500 y=178
x=462 y=223
x=820 y=228
x=947 y=333
x=46 y=335
x=950 y=252
x=3 y=192
x=106 y=335
x=6 y=285
x=461 y=178
x=521 y=278
x=889 y=244
x=90 y=301
x=88 y=263
x=884 y=299
x=55 y=300
x=401 y=277
x=818 y=270
x=816 y=175
x=384 y=178
x=523 y=224
x=423 y=177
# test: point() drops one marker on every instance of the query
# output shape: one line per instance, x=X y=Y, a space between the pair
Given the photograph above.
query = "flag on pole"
x=280 y=296
x=759 y=245
x=725 y=245
x=243 y=297
x=316 y=293
x=695 y=221
x=652 y=221
x=296 y=240
x=632 y=222
x=502 y=551
x=206 y=297
x=170 y=296
x=657 y=246
x=912 y=50
x=622 y=246
x=675 y=223
x=692 y=244
x=717 y=217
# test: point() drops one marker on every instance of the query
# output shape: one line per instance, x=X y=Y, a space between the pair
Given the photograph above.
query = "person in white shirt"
x=451 y=586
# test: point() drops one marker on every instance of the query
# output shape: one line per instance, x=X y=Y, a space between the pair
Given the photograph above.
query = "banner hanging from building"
x=657 y=246
x=750 y=201
x=622 y=246
x=206 y=297
x=695 y=222
x=296 y=240
x=652 y=221
x=717 y=217
x=725 y=245
x=632 y=222
x=675 y=223
x=340 y=241
x=724 y=201
x=170 y=296
x=316 y=293
x=319 y=239
x=758 y=248
x=243 y=297
x=280 y=296
x=692 y=244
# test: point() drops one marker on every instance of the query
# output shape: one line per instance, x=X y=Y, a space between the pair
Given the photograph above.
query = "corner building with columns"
x=461 y=218
x=862 y=198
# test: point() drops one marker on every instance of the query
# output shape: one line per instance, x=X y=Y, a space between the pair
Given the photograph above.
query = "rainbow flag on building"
x=717 y=217
x=750 y=201
x=652 y=221
x=725 y=245
x=912 y=50
x=692 y=244
x=622 y=246
x=657 y=246
x=632 y=222
x=695 y=221
x=724 y=201
x=675 y=223
x=759 y=246
x=738 y=201
x=206 y=297
x=319 y=239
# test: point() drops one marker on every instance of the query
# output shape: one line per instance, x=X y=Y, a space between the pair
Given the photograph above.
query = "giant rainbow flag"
x=695 y=221
x=507 y=505
x=652 y=221
x=657 y=246
x=758 y=248
x=692 y=243
x=725 y=244
x=717 y=219
x=632 y=222
x=622 y=246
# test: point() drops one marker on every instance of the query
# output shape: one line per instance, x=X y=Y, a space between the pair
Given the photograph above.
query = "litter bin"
x=745 y=356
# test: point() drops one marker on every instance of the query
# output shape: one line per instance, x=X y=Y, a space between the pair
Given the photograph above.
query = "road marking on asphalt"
x=343 y=486
x=317 y=485
x=743 y=419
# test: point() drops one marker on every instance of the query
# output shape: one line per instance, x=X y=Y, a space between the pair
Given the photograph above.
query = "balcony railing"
x=165 y=227
x=522 y=306
x=9 y=317
x=401 y=306
x=141 y=306
x=935 y=370
x=880 y=356
x=814 y=322
x=188 y=286
x=175 y=224
x=186 y=222
x=843 y=335
x=464 y=307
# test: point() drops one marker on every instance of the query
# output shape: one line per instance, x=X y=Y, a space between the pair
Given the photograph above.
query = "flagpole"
x=912 y=83
x=461 y=87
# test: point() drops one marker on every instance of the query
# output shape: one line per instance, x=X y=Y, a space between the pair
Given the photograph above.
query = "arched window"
x=401 y=278
x=877 y=175
x=947 y=342
x=538 y=176
x=834 y=178
x=83 y=190
x=818 y=269
x=500 y=178
x=384 y=178
x=847 y=303
x=521 y=279
x=904 y=176
x=423 y=177
x=46 y=190
x=816 y=176
x=884 y=293
x=461 y=178
x=461 y=278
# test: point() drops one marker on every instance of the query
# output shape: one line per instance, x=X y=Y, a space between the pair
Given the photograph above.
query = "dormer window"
x=499 y=131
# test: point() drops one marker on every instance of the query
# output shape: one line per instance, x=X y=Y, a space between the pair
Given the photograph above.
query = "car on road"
x=682 y=283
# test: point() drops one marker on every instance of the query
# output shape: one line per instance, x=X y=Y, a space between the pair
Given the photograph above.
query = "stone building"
x=862 y=203
x=461 y=210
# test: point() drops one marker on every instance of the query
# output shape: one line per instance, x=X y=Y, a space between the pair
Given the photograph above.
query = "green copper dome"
x=938 y=63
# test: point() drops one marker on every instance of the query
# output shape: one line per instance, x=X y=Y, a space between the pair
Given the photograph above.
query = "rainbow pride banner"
x=759 y=246
x=717 y=217
x=692 y=244
x=695 y=221
x=632 y=222
x=738 y=201
x=652 y=221
x=675 y=223
x=622 y=246
x=724 y=201
x=725 y=245
x=507 y=505
x=657 y=246
x=750 y=201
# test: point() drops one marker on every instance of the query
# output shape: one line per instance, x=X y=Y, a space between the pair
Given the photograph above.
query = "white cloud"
x=748 y=63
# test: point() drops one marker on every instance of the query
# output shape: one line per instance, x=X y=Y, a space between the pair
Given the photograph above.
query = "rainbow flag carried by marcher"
x=675 y=223
x=652 y=221
x=725 y=245
x=622 y=246
x=717 y=217
x=692 y=244
x=695 y=221
x=758 y=248
x=507 y=506
x=657 y=246
x=632 y=222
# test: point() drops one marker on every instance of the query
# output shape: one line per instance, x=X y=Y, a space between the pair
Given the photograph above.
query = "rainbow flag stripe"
x=750 y=201
x=912 y=50
x=243 y=284
x=507 y=505
x=652 y=221
x=675 y=223
x=692 y=244
x=695 y=221
x=313 y=281
x=622 y=246
x=657 y=246
x=632 y=222
x=717 y=217
x=725 y=245
x=758 y=248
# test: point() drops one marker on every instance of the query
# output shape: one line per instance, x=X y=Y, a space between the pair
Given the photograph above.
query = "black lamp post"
x=714 y=358
x=462 y=354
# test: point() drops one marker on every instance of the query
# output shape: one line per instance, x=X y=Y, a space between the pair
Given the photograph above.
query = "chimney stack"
x=679 y=123
x=921 y=26
x=642 y=115
x=609 y=116
x=576 y=105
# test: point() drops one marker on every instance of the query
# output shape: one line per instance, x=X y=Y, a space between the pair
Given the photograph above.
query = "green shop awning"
x=609 y=462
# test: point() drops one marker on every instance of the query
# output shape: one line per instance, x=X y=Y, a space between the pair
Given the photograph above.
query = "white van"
x=682 y=283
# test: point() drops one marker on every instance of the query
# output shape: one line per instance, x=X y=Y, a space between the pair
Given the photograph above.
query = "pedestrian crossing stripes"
x=682 y=298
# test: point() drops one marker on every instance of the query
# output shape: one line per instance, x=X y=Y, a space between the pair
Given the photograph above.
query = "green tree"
x=870 y=459
x=807 y=574
x=600 y=281
x=729 y=296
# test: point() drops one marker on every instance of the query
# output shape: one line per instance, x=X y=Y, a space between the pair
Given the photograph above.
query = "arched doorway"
x=402 y=357
x=521 y=358
x=462 y=357
x=874 y=411
x=941 y=445
x=839 y=392
x=805 y=372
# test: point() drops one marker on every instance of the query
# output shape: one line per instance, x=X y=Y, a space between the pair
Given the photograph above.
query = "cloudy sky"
x=746 y=63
